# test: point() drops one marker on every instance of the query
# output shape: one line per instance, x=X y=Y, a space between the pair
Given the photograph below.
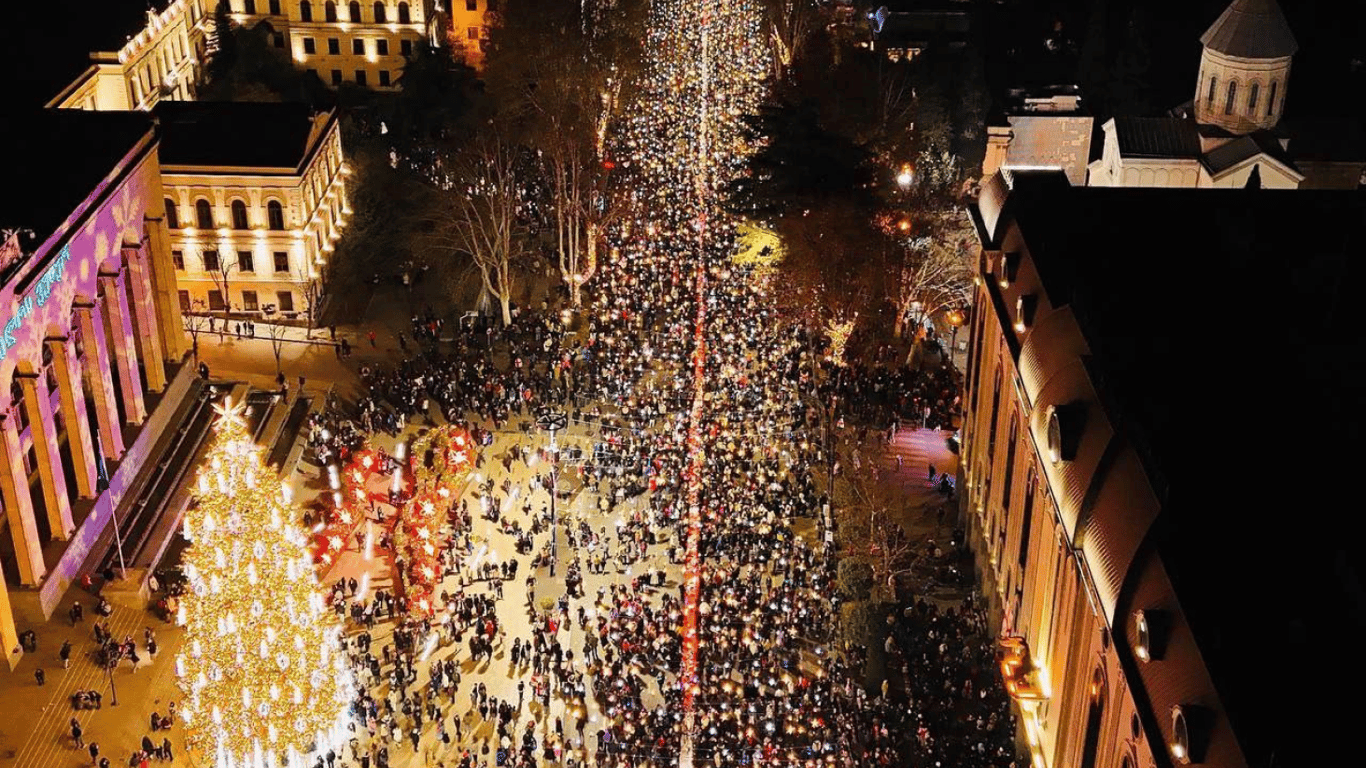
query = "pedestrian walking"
x=371 y=334
x=94 y=750
x=76 y=733
x=65 y=654
x=40 y=676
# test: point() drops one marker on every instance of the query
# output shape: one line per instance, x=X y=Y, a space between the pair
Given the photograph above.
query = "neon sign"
x=42 y=290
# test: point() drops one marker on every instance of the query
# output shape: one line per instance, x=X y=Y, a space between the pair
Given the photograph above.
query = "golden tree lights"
x=263 y=679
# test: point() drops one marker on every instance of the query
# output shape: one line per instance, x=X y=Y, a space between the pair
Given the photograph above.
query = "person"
x=65 y=654
x=204 y=371
x=166 y=752
x=40 y=676
x=94 y=750
x=76 y=611
x=153 y=584
x=76 y=733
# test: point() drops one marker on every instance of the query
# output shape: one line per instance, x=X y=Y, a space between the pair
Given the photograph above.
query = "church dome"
x=1244 y=68
x=1251 y=29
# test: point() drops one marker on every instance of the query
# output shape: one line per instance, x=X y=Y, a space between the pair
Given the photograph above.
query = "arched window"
x=1209 y=98
x=275 y=214
x=239 y=215
x=1271 y=100
x=1252 y=99
x=172 y=216
x=305 y=11
x=1232 y=95
x=379 y=13
x=353 y=11
x=330 y=11
x=403 y=15
x=203 y=214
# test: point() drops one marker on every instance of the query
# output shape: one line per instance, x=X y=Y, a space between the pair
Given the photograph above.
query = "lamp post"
x=956 y=319
x=553 y=421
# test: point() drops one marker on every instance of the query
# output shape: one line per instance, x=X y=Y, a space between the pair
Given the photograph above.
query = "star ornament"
x=231 y=415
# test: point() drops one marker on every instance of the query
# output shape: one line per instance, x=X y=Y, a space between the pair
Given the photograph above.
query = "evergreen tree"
x=263 y=679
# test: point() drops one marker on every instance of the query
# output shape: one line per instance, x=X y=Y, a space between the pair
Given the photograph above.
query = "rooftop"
x=1157 y=137
x=1225 y=346
x=1251 y=29
x=235 y=134
x=58 y=158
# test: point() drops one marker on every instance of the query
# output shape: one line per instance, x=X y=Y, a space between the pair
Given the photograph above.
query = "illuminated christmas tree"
x=263 y=679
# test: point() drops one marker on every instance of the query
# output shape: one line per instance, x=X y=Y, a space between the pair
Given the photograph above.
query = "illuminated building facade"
x=255 y=196
x=361 y=43
x=1134 y=512
x=161 y=61
x=90 y=345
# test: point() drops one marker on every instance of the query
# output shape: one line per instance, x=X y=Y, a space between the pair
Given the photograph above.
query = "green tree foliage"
x=436 y=92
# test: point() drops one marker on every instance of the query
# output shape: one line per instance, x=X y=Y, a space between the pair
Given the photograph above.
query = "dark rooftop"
x=234 y=134
x=56 y=158
x=1251 y=29
x=1228 y=155
x=1227 y=348
x=1157 y=137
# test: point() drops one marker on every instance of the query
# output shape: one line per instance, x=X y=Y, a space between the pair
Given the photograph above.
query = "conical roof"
x=1251 y=29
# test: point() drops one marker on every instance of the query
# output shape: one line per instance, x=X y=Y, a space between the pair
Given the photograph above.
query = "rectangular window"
x=333 y=46
x=384 y=78
x=382 y=47
x=1010 y=466
x=405 y=47
x=215 y=300
x=310 y=45
x=210 y=261
x=249 y=302
x=360 y=78
x=245 y=262
x=279 y=38
x=336 y=77
x=286 y=301
x=358 y=47
x=249 y=6
x=1271 y=101
x=184 y=297
x=472 y=33
x=178 y=259
x=281 y=261
x=1252 y=98
x=1028 y=523
x=471 y=5
x=1209 y=98
x=274 y=7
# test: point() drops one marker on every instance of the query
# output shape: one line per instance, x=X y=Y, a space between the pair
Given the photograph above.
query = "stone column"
x=119 y=337
x=97 y=373
x=166 y=300
x=45 y=446
x=77 y=422
x=144 y=316
x=9 y=636
x=14 y=491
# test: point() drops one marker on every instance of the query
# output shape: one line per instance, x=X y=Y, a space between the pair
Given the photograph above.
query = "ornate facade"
x=252 y=238
x=160 y=62
x=91 y=340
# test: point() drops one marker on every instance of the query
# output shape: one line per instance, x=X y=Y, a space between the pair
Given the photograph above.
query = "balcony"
x=1021 y=677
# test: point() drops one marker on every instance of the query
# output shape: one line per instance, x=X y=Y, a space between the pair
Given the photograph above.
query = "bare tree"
x=936 y=275
x=790 y=21
x=313 y=291
x=196 y=322
x=480 y=213
x=278 y=334
x=221 y=273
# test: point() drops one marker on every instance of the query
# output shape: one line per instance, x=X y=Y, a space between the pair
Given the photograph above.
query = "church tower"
x=1245 y=68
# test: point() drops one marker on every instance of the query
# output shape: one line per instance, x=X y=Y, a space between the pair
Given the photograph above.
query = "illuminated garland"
x=262 y=678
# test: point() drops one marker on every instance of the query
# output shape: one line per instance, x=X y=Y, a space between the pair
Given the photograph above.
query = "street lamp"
x=956 y=319
x=553 y=421
x=905 y=176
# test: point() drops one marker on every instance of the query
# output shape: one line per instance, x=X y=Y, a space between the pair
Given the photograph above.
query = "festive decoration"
x=440 y=461
x=263 y=679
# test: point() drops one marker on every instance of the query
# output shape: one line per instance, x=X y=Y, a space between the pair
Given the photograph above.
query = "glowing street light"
x=905 y=176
